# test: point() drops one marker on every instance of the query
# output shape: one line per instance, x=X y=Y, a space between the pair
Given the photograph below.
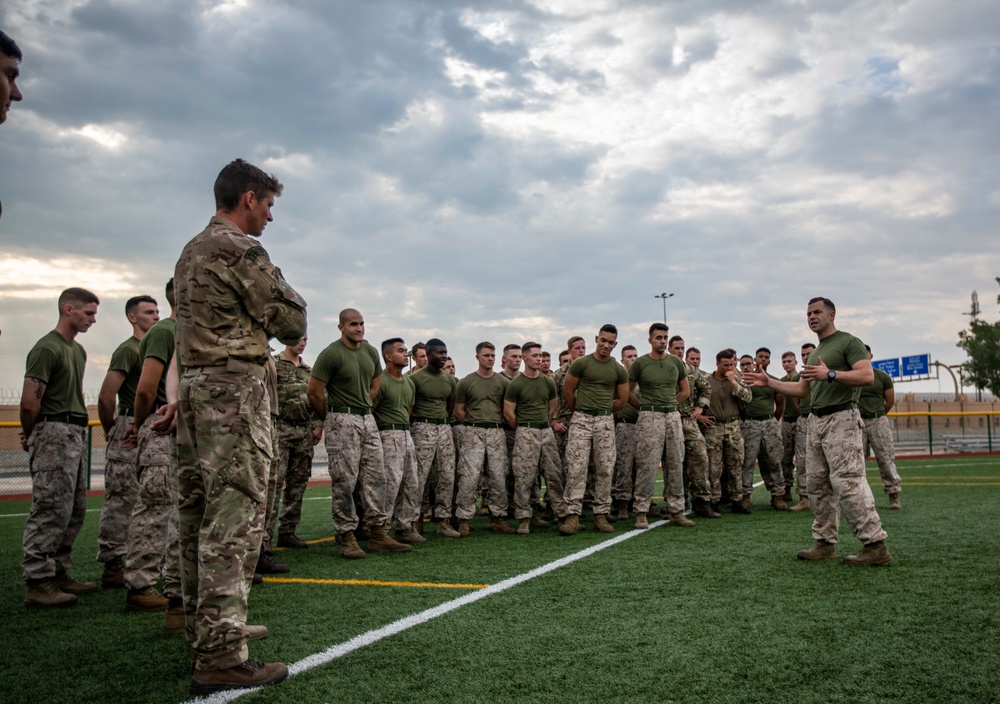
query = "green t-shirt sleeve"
x=321 y=369
x=39 y=364
x=124 y=360
x=158 y=344
x=621 y=375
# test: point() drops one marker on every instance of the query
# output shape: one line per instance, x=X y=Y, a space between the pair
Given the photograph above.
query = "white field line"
x=396 y=627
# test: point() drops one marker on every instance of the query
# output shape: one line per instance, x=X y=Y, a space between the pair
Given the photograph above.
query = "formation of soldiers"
x=211 y=438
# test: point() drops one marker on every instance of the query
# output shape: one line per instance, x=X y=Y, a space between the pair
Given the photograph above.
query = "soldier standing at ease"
x=230 y=300
x=762 y=435
x=801 y=436
x=692 y=408
x=723 y=440
x=877 y=399
x=789 y=420
x=623 y=481
x=54 y=433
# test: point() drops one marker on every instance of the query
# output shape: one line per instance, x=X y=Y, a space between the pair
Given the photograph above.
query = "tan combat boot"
x=778 y=503
x=499 y=525
x=601 y=524
x=822 y=550
x=255 y=632
x=64 y=583
x=802 y=505
x=463 y=527
x=381 y=542
x=570 y=525
x=537 y=521
x=680 y=520
x=147 y=599
x=641 y=522
x=870 y=555
x=894 y=501
x=113 y=576
x=622 y=512
x=349 y=547
x=524 y=526
x=173 y=617
x=250 y=673
x=446 y=531
x=42 y=593
x=409 y=536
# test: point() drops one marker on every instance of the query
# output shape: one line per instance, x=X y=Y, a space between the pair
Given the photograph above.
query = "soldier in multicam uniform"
x=762 y=435
x=120 y=485
x=801 y=437
x=697 y=483
x=54 y=431
x=299 y=431
x=344 y=380
x=723 y=440
x=529 y=405
x=877 y=399
x=789 y=420
x=623 y=481
x=596 y=386
x=230 y=300
x=836 y=370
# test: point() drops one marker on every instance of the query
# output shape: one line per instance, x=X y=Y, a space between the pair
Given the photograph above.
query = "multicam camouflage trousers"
x=724 y=445
x=788 y=435
x=878 y=434
x=762 y=438
x=479 y=446
x=400 y=459
x=153 y=541
x=534 y=448
x=801 y=445
x=295 y=457
x=660 y=440
x=589 y=435
x=120 y=492
x=837 y=480
x=224 y=455
x=623 y=481
x=57 y=461
x=435 y=448
x=354 y=447
x=696 y=460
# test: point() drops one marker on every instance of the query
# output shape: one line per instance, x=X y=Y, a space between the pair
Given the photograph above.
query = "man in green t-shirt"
x=874 y=402
x=434 y=403
x=762 y=435
x=835 y=372
x=723 y=440
x=391 y=408
x=576 y=347
x=663 y=380
x=345 y=379
x=114 y=408
x=696 y=481
x=596 y=386
x=623 y=480
x=801 y=440
x=529 y=406
x=54 y=432
x=479 y=407
x=789 y=418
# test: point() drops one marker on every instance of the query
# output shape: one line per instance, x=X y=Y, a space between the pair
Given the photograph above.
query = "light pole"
x=664 y=296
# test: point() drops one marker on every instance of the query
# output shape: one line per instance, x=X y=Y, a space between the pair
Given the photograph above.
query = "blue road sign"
x=889 y=366
x=917 y=365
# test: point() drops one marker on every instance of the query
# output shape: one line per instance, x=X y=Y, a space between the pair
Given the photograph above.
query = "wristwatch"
x=831 y=376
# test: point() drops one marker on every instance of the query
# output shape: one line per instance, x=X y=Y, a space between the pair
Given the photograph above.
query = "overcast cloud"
x=507 y=170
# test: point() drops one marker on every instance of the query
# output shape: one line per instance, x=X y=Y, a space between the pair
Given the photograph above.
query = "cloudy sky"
x=507 y=170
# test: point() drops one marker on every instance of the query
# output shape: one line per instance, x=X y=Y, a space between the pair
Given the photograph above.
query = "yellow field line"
x=372 y=583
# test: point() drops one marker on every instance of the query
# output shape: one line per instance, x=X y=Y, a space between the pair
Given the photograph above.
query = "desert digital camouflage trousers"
x=762 y=439
x=57 y=461
x=801 y=445
x=696 y=460
x=435 y=448
x=536 y=448
x=482 y=446
x=400 y=459
x=224 y=455
x=589 y=436
x=788 y=434
x=623 y=481
x=878 y=434
x=724 y=445
x=660 y=440
x=120 y=492
x=837 y=481
x=295 y=455
x=354 y=447
x=153 y=540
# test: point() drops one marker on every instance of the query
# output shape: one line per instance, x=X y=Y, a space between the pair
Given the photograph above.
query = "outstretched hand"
x=815 y=372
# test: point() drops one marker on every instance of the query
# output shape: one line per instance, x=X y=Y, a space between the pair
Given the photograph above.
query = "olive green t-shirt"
x=432 y=393
x=840 y=352
x=872 y=397
x=483 y=397
x=347 y=373
x=660 y=379
x=59 y=364
x=126 y=360
x=159 y=343
x=598 y=382
x=393 y=401
x=790 y=414
x=762 y=403
x=532 y=397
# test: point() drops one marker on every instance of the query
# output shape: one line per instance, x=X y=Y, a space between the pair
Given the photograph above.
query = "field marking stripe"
x=403 y=624
x=371 y=583
x=25 y=515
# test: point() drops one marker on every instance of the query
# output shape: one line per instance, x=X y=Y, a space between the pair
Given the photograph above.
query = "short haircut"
x=728 y=353
x=168 y=291
x=436 y=343
x=572 y=340
x=239 y=176
x=511 y=346
x=387 y=344
x=8 y=47
x=655 y=327
x=346 y=313
x=132 y=304
x=745 y=356
x=788 y=354
x=485 y=345
x=77 y=297
x=544 y=353
x=416 y=347
x=608 y=327
x=563 y=354
x=692 y=349
x=626 y=348
x=673 y=339
x=530 y=346
x=827 y=303
x=868 y=349
x=762 y=349
x=809 y=346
